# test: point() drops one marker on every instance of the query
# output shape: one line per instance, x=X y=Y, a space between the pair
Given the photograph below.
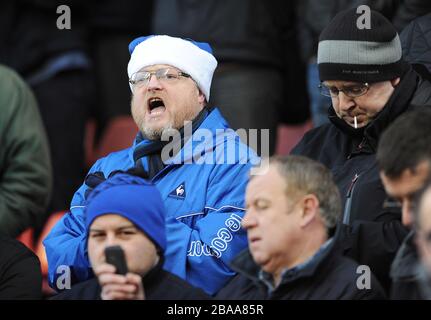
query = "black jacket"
x=314 y=15
x=29 y=34
x=373 y=234
x=328 y=277
x=407 y=10
x=244 y=32
x=20 y=274
x=416 y=44
x=158 y=285
x=405 y=272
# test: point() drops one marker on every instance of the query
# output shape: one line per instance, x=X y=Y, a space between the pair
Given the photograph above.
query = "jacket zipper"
x=358 y=148
x=348 y=205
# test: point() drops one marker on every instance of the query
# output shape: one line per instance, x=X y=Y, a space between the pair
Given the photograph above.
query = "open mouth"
x=156 y=105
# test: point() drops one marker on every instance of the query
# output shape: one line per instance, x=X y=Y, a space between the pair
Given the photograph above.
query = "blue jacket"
x=204 y=201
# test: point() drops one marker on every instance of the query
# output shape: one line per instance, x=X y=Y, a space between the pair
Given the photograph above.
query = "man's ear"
x=310 y=208
x=395 y=82
x=202 y=99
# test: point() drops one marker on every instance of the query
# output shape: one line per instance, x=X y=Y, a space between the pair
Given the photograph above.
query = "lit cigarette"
x=356 y=122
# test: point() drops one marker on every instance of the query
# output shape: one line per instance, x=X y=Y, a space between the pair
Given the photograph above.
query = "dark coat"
x=407 y=10
x=314 y=15
x=328 y=277
x=20 y=274
x=29 y=36
x=158 y=285
x=416 y=44
x=250 y=33
x=405 y=272
x=373 y=234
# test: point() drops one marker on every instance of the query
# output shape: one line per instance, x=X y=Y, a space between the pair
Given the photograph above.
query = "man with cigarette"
x=370 y=85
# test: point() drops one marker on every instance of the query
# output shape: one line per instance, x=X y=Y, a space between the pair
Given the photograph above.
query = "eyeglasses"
x=352 y=91
x=166 y=75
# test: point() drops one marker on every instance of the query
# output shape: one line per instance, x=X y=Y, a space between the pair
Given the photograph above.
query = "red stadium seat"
x=119 y=134
x=27 y=238
x=39 y=248
x=40 y=251
x=289 y=136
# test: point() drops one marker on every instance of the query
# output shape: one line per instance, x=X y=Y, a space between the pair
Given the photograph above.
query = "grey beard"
x=155 y=134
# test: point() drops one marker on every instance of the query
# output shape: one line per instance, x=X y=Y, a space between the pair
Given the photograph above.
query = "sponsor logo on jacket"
x=219 y=244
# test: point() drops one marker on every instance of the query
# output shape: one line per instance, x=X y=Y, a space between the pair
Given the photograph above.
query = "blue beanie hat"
x=133 y=198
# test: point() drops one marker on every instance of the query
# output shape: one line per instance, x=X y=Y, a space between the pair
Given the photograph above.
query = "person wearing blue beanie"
x=128 y=211
x=146 y=211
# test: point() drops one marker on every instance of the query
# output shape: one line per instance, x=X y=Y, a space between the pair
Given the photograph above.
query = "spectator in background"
x=128 y=211
x=260 y=81
x=112 y=25
x=55 y=63
x=20 y=274
x=408 y=10
x=25 y=180
x=416 y=44
x=404 y=158
x=170 y=79
x=292 y=211
x=423 y=242
x=370 y=85
x=313 y=16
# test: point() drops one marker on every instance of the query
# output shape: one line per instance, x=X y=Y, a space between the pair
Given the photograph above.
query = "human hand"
x=119 y=287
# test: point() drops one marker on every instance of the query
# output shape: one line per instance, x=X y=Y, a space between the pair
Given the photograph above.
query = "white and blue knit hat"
x=191 y=57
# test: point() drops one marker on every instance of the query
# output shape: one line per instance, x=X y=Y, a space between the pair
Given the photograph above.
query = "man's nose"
x=248 y=221
x=345 y=103
x=111 y=240
x=154 y=83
